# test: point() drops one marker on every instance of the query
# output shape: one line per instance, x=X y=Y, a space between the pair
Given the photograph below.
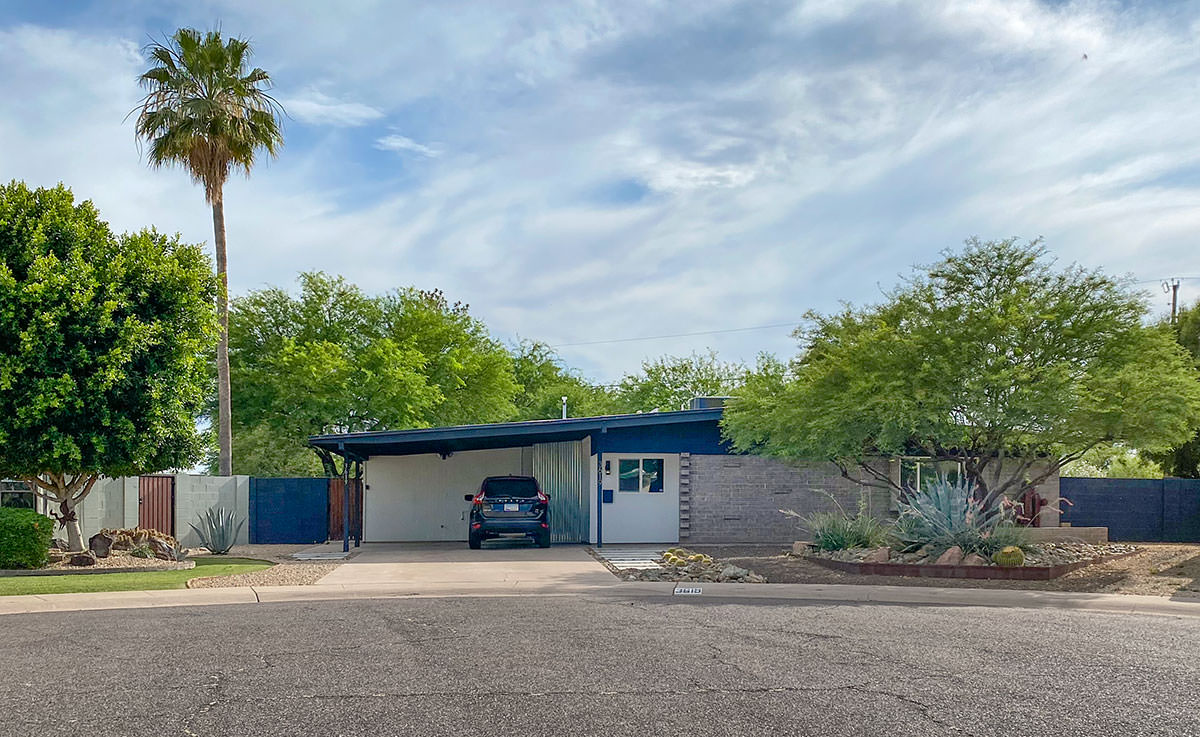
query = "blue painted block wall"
x=1145 y=510
x=289 y=510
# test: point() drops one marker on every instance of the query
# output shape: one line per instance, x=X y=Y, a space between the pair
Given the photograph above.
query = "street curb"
x=723 y=593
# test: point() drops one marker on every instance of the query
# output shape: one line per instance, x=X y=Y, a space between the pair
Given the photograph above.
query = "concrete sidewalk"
x=663 y=592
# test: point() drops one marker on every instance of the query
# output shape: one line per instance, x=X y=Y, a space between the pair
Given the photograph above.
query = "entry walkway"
x=453 y=566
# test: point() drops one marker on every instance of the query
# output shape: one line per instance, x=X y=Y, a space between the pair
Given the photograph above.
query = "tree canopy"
x=992 y=358
x=333 y=359
x=102 y=345
x=670 y=382
x=1183 y=460
x=545 y=380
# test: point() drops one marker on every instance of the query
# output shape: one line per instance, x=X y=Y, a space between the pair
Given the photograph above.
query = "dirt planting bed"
x=1155 y=569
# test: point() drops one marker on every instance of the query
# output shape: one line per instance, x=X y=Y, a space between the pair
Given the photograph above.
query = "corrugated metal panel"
x=156 y=503
x=561 y=468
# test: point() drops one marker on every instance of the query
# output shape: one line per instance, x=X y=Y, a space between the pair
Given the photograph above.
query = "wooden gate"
x=156 y=503
x=336 y=502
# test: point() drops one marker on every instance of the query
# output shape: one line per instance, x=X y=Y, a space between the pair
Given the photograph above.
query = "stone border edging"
x=912 y=570
x=181 y=565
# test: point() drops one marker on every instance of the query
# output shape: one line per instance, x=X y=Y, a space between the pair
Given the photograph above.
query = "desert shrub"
x=218 y=529
x=946 y=514
x=837 y=530
x=24 y=538
x=142 y=550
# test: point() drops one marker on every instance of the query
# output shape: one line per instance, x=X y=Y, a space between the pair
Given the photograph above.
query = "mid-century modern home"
x=659 y=477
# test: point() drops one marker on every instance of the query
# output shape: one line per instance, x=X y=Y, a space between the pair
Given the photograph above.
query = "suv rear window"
x=518 y=488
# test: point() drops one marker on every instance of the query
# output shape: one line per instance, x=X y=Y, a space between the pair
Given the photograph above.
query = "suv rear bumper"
x=510 y=526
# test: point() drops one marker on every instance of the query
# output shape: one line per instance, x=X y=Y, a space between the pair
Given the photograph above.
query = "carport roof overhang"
x=445 y=440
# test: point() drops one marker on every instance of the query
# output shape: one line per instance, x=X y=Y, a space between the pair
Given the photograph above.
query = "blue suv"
x=509 y=505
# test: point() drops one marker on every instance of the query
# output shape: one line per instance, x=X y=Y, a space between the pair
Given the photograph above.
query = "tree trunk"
x=224 y=398
x=74 y=536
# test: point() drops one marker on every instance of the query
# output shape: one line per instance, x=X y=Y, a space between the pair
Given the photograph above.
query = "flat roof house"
x=660 y=477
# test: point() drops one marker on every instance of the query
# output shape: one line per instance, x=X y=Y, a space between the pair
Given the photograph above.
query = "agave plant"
x=944 y=514
x=218 y=529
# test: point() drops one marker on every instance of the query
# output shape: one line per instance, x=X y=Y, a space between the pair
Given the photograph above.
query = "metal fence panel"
x=561 y=468
x=156 y=503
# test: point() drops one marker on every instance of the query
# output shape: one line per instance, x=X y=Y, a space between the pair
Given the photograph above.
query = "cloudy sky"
x=594 y=171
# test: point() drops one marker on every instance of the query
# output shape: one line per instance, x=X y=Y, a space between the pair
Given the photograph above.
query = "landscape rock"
x=101 y=544
x=952 y=557
x=974 y=559
x=56 y=555
x=878 y=555
x=59 y=544
x=161 y=548
x=734 y=572
x=86 y=558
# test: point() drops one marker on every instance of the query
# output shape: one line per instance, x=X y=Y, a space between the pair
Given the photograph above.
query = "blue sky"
x=580 y=172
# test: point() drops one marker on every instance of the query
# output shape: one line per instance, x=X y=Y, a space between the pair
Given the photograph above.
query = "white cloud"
x=399 y=143
x=318 y=108
x=793 y=157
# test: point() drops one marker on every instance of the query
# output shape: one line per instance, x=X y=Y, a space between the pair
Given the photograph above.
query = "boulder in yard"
x=86 y=558
x=162 y=549
x=974 y=559
x=878 y=555
x=101 y=544
x=952 y=557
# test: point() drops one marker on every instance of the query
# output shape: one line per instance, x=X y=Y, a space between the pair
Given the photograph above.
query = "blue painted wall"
x=1146 y=510
x=294 y=511
x=701 y=438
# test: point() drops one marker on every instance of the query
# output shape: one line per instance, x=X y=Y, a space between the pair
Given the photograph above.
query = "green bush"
x=837 y=530
x=24 y=538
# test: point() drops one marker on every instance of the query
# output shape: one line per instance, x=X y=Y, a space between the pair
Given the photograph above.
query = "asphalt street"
x=596 y=666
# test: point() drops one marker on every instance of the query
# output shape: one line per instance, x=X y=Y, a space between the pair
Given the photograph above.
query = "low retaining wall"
x=1017 y=573
x=1090 y=535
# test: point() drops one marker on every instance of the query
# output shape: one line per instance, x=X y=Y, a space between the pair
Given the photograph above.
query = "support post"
x=361 y=497
x=345 y=498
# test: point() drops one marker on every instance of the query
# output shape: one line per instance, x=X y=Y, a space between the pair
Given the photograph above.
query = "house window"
x=637 y=475
x=916 y=472
x=16 y=494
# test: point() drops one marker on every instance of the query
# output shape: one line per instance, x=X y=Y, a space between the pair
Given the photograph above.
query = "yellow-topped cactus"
x=1009 y=556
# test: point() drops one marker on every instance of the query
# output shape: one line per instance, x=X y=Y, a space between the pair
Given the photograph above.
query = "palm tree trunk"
x=224 y=400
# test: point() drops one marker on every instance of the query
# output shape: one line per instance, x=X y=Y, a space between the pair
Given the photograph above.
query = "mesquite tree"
x=103 y=341
x=991 y=358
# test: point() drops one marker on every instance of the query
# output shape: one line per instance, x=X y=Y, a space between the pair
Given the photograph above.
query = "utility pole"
x=1171 y=286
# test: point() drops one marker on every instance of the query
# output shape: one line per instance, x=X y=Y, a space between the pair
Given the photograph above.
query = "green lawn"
x=82 y=582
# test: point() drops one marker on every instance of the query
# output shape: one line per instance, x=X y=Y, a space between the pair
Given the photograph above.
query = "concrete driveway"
x=501 y=567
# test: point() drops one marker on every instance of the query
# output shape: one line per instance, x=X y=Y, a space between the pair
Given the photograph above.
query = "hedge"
x=24 y=538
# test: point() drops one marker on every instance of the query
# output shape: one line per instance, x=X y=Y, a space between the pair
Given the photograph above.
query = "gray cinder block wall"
x=737 y=498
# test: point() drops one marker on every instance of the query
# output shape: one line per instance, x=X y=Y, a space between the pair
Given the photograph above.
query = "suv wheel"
x=474 y=541
x=543 y=540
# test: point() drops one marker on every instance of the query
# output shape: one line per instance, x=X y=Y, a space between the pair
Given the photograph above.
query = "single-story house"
x=659 y=477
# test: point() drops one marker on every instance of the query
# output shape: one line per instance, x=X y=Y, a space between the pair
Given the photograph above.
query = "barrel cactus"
x=1009 y=556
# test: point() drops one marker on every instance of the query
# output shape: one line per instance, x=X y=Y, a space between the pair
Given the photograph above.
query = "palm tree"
x=206 y=111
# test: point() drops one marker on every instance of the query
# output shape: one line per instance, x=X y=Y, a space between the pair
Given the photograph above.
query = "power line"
x=676 y=335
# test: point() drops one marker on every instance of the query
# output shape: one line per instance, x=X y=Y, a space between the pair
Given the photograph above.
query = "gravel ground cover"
x=1042 y=554
x=287 y=572
x=1157 y=569
x=118 y=559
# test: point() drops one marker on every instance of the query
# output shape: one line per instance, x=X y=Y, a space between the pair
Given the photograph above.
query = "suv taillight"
x=543 y=498
x=478 y=500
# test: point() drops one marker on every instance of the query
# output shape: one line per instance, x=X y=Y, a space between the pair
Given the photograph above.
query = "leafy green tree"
x=1114 y=462
x=102 y=339
x=670 y=382
x=207 y=110
x=545 y=381
x=333 y=359
x=991 y=358
x=1183 y=460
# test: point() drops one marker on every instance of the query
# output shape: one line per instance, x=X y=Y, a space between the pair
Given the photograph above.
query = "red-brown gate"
x=336 y=502
x=156 y=503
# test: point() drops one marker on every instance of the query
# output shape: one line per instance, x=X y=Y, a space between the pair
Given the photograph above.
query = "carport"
x=610 y=479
